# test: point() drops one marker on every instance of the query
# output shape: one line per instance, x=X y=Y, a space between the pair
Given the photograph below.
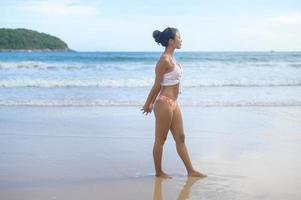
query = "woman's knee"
x=180 y=138
x=161 y=141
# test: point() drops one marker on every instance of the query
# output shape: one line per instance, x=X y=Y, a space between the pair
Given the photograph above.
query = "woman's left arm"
x=160 y=70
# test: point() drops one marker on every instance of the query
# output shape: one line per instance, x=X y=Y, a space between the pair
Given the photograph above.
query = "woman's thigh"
x=163 y=114
x=176 y=126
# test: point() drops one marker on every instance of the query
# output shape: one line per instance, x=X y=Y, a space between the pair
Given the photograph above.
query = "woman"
x=166 y=109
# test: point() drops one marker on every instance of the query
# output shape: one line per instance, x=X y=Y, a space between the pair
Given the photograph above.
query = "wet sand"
x=106 y=153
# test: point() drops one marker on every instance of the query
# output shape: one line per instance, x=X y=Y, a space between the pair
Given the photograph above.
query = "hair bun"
x=156 y=36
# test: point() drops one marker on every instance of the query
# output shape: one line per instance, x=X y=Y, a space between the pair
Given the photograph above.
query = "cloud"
x=293 y=19
x=280 y=32
x=60 y=8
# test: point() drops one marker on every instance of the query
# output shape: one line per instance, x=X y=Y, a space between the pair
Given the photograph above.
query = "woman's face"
x=177 y=42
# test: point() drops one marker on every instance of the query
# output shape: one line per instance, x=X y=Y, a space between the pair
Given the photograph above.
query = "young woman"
x=166 y=109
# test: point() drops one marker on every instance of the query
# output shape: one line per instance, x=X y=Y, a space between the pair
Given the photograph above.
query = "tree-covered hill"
x=24 y=39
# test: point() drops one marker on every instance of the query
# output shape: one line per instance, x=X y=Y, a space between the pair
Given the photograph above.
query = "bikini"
x=172 y=78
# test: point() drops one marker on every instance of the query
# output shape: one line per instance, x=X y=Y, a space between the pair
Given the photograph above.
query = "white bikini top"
x=173 y=77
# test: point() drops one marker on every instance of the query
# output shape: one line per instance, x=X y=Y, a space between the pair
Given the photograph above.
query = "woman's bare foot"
x=196 y=174
x=162 y=175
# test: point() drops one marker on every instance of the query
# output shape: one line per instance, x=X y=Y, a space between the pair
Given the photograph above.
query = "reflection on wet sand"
x=184 y=194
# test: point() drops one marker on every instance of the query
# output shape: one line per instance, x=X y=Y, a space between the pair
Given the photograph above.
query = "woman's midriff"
x=170 y=91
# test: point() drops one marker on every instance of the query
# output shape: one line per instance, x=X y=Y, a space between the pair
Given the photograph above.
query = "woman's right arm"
x=160 y=70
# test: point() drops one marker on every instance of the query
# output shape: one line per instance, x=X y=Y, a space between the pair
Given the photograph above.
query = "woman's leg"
x=177 y=131
x=163 y=114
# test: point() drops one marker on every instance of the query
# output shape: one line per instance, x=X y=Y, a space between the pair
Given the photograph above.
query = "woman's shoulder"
x=165 y=60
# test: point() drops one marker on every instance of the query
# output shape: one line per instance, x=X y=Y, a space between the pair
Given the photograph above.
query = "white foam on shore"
x=136 y=64
x=142 y=82
x=91 y=103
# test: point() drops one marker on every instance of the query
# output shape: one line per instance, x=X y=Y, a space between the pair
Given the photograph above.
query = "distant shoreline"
x=116 y=51
x=36 y=50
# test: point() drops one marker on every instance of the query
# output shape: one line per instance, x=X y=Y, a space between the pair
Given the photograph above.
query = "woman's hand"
x=147 y=109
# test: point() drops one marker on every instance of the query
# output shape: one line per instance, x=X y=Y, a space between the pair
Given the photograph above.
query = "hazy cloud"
x=60 y=8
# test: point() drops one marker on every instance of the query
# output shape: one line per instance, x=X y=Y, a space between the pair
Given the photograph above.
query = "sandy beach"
x=106 y=153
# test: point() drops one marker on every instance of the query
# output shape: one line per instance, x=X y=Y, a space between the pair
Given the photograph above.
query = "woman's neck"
x=169 y=50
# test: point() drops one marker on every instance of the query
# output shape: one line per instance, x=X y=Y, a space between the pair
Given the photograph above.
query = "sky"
x=127 y=25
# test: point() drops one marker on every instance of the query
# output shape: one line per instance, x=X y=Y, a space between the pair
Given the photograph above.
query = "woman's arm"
x=152 y=94
x=160 y=70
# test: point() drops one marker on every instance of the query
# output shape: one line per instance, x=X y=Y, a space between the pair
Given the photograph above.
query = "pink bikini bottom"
x=170 y=101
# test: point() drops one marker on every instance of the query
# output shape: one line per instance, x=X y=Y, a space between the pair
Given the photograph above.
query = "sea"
x=125 y=78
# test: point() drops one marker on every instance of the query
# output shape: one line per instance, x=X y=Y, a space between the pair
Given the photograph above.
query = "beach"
x=105 y=152
x=76 y=77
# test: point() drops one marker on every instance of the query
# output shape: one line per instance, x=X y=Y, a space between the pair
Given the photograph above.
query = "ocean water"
x=125 y=78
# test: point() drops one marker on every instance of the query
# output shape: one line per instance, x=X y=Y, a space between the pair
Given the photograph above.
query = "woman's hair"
x=163 y=37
